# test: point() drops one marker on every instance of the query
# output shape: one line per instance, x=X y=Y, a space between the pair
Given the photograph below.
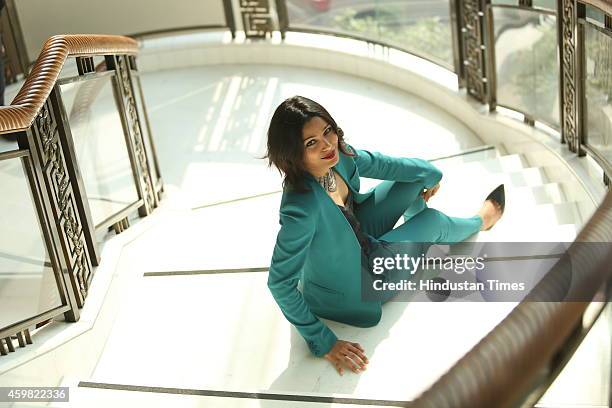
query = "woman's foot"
x=493 y=208
x=490 y=212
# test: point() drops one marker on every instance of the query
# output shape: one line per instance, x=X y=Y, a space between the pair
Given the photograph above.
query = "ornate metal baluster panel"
x=473 y=47
x=145 y=130
x=256 y=18
x=52 y=158
x=567 y=47
x=134 y=139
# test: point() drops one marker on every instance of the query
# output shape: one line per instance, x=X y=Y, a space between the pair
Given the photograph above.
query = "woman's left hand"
x=427 y=194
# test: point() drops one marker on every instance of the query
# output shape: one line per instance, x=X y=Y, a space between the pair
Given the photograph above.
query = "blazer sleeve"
x=378 y=166
x=288 y=258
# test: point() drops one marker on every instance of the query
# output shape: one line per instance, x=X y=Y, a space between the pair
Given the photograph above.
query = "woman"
x=318 y=246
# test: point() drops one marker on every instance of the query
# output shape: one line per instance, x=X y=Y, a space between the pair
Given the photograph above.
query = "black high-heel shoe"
x=497 y=196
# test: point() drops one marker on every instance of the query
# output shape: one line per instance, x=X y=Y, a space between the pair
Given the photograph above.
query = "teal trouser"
x=392 y=199
x=422 y=227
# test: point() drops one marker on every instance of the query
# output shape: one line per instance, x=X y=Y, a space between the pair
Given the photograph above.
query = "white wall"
x=41 y=19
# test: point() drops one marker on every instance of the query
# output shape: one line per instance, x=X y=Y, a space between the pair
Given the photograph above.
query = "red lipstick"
x=330 y=156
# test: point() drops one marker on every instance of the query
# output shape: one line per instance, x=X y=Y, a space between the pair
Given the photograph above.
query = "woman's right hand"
x=347 y=354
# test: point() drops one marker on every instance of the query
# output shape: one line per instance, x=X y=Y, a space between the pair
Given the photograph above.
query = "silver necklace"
x=328 y=181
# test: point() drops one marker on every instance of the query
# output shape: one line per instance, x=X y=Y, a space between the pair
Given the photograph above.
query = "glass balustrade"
x=598 y=90
x=100 y=146
x=28 y=285
x=423 y=28
x=526 y=62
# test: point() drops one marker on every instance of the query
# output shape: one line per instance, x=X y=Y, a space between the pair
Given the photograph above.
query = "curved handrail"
x=500 y=369
x=45 y=71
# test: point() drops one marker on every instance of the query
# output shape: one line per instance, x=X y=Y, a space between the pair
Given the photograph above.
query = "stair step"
x=528 y=177
x=473 y=195
x=537 y=233
x=500 y=164
x=545 y=203
x=469 y=157
x=531 y=176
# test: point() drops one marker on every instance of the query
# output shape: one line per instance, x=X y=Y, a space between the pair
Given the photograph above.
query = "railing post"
x=229 y=16
x=473 y=48
x=567 y=50
x=145 y=125
x=580 y=61
x=283 y=17
x=126 y=103
x=456 y=32
x=61 y=186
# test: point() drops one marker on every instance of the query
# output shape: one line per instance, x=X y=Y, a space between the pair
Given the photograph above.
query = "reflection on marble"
x=100 y=146
x=27 y=281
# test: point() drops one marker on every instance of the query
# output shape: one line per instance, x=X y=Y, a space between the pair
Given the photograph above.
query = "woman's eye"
x=310 y=143
x=328 y=130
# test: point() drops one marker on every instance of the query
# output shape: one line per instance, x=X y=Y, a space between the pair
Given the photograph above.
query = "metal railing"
x=60 y=151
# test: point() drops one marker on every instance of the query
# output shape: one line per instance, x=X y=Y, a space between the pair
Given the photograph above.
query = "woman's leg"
x=433 y=226
x=380 y=212
x=390 y=199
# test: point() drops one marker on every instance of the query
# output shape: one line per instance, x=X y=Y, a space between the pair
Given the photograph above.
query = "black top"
x=362 y=237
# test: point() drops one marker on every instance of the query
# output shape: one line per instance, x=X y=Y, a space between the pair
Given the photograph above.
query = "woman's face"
x=320 y=146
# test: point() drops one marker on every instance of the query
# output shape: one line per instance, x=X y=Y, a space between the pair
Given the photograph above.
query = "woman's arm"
x=290 y=252
x=379 y=166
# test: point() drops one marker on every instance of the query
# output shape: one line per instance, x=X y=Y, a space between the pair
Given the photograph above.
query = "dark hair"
x=285 y=144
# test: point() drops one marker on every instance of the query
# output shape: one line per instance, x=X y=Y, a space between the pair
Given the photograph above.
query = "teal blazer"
x=317 y=245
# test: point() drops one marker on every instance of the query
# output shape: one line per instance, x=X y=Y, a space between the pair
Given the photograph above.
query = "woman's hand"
x=427 y=194
x=347 y=354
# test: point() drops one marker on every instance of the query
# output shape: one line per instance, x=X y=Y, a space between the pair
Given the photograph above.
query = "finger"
x=358 y=346
x=339 y=368
x=349 y=363
x=358 y=350
x=356 y=359
x=360 y=354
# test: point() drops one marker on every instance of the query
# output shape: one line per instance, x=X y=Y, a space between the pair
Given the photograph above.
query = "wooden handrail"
x=41 y=80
